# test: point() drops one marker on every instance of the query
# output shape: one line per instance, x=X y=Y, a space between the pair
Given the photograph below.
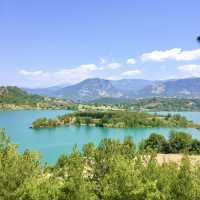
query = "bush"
x=180 y=142
x=4 y=139
x=155 y=142
x=195 y=146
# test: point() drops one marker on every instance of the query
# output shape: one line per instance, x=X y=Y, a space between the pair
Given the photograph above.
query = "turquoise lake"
x=52 y=142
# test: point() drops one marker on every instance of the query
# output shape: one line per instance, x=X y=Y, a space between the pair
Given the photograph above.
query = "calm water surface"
x=55 y=141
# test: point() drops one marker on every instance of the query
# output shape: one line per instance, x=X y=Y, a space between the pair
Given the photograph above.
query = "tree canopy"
x=112 y=170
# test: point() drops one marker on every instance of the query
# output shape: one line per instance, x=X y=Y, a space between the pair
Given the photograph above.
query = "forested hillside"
x=15 y=98
x=15 y=95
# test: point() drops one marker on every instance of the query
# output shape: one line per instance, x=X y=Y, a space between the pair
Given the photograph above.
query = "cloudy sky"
x=45 y=43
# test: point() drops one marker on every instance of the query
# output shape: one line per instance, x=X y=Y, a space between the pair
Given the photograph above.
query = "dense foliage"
x=119 y=119
x=112 y=170
x=178 y=142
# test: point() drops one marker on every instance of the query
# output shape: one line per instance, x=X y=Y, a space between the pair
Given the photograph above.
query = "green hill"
x=14 y=98
x=14 y=95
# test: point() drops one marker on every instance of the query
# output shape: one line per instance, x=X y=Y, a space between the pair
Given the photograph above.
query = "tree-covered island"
x=116 y=119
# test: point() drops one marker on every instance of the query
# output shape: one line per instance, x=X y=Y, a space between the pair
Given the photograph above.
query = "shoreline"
x=27 y=109
x=18 y=108
x=13 y=107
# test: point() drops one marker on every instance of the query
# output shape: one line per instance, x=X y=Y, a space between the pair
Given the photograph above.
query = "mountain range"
x=96 y=88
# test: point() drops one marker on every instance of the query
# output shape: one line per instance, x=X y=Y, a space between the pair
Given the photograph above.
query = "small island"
x=117 y=119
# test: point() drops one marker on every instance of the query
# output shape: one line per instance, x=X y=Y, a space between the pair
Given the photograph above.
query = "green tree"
x=195 y=146
x=4 y=139
x=39 y=188
x=180 y=142
x=76 y=184
x=155 y=142
x=182 y=188
x=15 y=169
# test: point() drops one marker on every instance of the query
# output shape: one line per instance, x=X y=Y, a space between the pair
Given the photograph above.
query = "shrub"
x=180 y=142
x=195 y=146
x=4 y=139
x=155 y=142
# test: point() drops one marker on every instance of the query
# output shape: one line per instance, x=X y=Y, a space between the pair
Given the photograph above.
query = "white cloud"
x=68 y=75
x=30 y=73
x=161 y=55
x=172 y=54
x=131 y=61
x=91 y=67
x=188 y=55
x=191 y=69
x=131 y=72
x=114 y=65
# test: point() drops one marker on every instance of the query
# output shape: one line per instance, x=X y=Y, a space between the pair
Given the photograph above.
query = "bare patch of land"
x=176 y=158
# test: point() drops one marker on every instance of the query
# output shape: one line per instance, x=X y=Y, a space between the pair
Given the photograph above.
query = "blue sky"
x=48 y=42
